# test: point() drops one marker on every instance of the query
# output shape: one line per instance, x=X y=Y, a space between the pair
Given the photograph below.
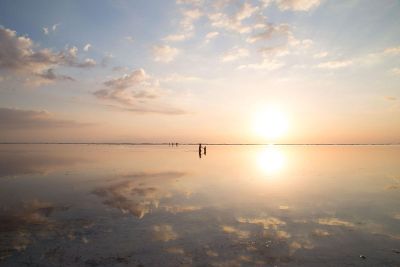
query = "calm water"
x=99 y=205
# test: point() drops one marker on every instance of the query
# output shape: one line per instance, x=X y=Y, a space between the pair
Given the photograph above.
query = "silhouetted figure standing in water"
x=205 y=150
x=176 y=144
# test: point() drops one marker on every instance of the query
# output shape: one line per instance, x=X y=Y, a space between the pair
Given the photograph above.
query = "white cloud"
x=335 y=64
x=392 y=50
x=164 y=53
x=266 y=64
x=135 y=92
x=306 y=43
x=235 y=54
x=176 y=37
x=395 y=71
x=269 y=32
x=189 y=2
x=278 y=51
x=297 y=5
x=87 y=47
x=176 y=77
x=211 y=35
x=245 y=11
x=126 y=89
x=20 y=56
x=321 y=54
x=234 y=22
x=52 y=29
x=189 y=16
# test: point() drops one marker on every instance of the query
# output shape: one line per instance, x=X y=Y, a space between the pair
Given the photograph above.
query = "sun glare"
x=270 y=123
x=271 y=160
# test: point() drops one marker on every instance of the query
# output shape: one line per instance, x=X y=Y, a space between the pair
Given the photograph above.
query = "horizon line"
x=191 y=143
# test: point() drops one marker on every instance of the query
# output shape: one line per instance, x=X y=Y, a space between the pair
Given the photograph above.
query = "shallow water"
x=119 y=205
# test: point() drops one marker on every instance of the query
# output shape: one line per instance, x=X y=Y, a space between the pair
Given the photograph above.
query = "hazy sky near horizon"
x=199 y=70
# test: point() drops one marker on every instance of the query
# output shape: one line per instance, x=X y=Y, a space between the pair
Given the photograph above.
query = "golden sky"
x=225 y=71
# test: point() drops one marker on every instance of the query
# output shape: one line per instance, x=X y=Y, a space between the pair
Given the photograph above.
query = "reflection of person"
x=205 y=150
x=199 y=150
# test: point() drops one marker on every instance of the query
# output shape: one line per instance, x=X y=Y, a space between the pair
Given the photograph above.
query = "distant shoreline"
x=195 y=144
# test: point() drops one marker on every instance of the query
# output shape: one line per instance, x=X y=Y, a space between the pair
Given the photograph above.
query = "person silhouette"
x=205 y=150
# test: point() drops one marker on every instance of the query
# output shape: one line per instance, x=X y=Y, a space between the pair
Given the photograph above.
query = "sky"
x=200 y=71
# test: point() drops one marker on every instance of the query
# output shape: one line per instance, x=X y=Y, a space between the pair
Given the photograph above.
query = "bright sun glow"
x=270 y=123
x=271 y=160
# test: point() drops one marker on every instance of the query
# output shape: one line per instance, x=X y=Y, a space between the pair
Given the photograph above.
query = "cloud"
x=18 y=163
x=235 y=231
x=190 y=2
x=54 y=27
x=50 y=75
x=176 y=77
x=186 y=25
x=24 y=224
x=120 y=68
x=265 y=222
x=392 y=50
x=277 y=51
x=151 y=109
x=11 y=118
x=234 y=22
x=48 y=30
x=176 y=37
x=235 y=54
x=117 y=89
x=87 y=63
x=335 y=222
x=164 y=233
x=106 y=59
x=321 y=54
x=297 y=5
x=270 y=31
x=131 y=196
x=135 y=92
x=18 y=55
x=266 y=64
x=87 y=47
x=211 y=35
x=164 y=53
x=395 y=71
x=335 y=64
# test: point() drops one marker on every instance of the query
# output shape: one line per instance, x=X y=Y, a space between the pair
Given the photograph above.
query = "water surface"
x=121 y=205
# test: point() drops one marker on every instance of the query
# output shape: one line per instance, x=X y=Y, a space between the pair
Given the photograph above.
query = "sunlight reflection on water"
x=236 y=206
x=271 y=160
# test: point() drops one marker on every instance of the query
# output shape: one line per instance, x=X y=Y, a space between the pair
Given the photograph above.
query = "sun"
x=270 y=123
